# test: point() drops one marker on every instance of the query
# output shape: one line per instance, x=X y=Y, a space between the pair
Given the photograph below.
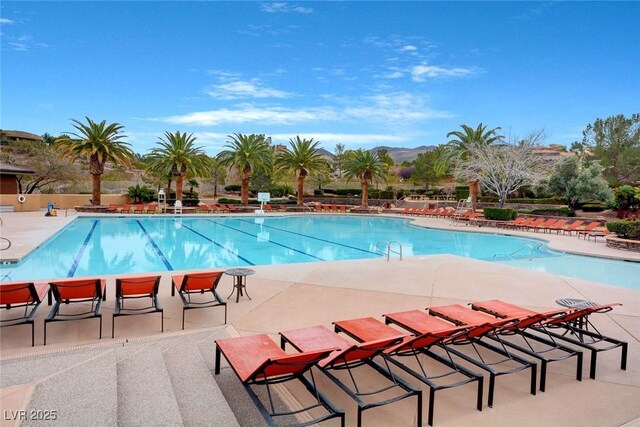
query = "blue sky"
x=358 y=73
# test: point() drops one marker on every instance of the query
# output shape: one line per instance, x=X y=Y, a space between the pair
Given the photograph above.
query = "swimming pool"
x=91 y=246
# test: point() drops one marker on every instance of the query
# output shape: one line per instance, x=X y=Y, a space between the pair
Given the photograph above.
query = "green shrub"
x=553 y=212
x=593 y=207
x=280 y=190
x=318 y=193
x=625 y=229
x=500 y=214
x=462 y=192
x=329 y=190
x=374 y=194
x=527 y=201
x=347 y=192
x=233 y=187
x=186 y=202
x=226 y=201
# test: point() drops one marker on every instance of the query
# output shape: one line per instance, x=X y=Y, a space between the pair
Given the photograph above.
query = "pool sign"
x=264 y=197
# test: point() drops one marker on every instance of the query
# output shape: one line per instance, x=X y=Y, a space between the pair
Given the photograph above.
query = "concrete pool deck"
x=300 y=295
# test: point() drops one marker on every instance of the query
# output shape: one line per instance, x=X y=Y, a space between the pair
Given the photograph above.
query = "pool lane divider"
x=270 y=241
x=314 y=238
x=153 y=243
x=76 y=261
x=218 y=244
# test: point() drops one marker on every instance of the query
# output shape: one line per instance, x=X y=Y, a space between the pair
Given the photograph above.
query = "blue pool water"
x=100 y=246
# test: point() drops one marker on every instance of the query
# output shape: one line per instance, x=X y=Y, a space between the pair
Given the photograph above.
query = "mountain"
x=401 y=154
x=398 y=154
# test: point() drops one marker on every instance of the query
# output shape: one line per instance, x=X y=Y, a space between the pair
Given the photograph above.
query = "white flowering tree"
x=504 y=167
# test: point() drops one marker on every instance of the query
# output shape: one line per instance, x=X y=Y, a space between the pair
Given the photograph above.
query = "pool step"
x=194 y=385
x=145 y=393
x=78 y=389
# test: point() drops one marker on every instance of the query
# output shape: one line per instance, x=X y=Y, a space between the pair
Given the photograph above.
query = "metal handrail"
x=8 y=243
x=531 y=248
x=389 y=250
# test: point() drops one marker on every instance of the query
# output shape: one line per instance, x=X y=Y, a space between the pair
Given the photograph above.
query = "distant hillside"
x=398 y=154
x=401 y=154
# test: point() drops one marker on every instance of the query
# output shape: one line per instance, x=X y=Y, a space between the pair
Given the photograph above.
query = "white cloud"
x=250 y=113
x=420 y=73
x=281 y=7
x=5 y=21
x=409 y=48
x=357 y=139
x=18 y=46
x=243 y=89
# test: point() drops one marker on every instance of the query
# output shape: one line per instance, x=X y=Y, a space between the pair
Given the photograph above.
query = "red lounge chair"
x=550 y=222
x=257 y=360
x=126 y=208
x=112 y=208
x=76 y=291
x=349 y=356
x=136 y=288
x=522 y=224
x=342 y=208
x=516 y=222
x=571 y=227
x=152 y=208
x=536 y=223
x=138 y=208
x=18 y=295
x=326 y=208
x=557 y=227
x=575 y=321
x=486 y=326
x=531 y=328
x=588 y=228
x=222 y=208
x=578 y=330
x=198 y=283
x=437 y=334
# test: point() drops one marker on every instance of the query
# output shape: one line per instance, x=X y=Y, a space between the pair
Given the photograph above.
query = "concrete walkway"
x=298 y=295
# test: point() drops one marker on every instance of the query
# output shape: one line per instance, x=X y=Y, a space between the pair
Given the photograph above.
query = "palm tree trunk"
x=365 y=193
x=473 y=192
x=96 y=189
x=179 y=179
x=300 y=191
x=244 y=191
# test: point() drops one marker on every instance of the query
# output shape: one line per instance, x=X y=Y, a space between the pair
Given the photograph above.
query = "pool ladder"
x=390 y=248
x=4 y=240
x=531 y=248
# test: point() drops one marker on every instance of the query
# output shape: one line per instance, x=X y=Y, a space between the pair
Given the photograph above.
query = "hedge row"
x=527 y=201
x=500 y=214
x=625 y=229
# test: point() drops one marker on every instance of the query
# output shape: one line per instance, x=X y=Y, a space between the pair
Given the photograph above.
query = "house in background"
x=8 y=177
x=18 y=135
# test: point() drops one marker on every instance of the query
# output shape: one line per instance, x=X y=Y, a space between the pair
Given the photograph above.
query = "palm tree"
x=365 y=165
x=100 y=143
x=246 y=152
x=303 y=158
x=458 y=149
x=178 y=155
